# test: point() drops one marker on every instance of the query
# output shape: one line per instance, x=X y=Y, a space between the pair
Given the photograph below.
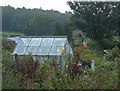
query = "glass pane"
x=68 y=49
x=26 y=41
x=43 y=50
x=20 y=48
x=71 y=50
x=35 y=42
x=59 y=41
x=55 y=51
x=47 y=42
x=32 y=49
x=41 y=46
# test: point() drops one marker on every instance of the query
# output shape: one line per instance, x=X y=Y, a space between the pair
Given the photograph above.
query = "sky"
x=59 y=5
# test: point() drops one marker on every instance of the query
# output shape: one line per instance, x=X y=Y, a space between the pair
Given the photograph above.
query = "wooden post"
x=16 y=64
x=61 y=64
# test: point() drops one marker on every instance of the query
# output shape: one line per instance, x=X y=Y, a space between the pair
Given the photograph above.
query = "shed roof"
x=40 y=45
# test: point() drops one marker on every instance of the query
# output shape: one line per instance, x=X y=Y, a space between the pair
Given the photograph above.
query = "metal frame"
x=41 y=43
x=43 y=37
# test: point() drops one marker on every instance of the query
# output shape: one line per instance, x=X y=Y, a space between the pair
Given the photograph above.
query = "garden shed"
x=49 y=48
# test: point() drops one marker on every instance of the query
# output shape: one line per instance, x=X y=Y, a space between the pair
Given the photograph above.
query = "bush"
x=45 y=76
x=108 y=44
x=109 y=56
x=8 y=45
x=76 y=52
x=94 y=45
x=115 y=51
x=9 y=80
x=88 y=54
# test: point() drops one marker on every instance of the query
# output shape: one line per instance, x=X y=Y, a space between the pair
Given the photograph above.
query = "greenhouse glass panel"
x=68 y=49
x=55 y=50
x=35 y=42
x=59 y=41
x=43 y=50
x=71 y=50
x=32 y=49
x=20 y=48
x=42 y=46
x=26 y=41
x=47 y=42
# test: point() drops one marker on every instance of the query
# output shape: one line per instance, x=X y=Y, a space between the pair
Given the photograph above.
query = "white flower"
x=104 y=50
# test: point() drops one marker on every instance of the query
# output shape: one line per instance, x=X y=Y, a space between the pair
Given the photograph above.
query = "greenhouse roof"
x=40 y=45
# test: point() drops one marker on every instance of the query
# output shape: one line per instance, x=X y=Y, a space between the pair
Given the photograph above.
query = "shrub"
x=115 y=51
x=87 y=54
x=108 y=43
x=76 y=52
x=8 y=45
x=45 y=76
x=9 y=80
x=94 y=45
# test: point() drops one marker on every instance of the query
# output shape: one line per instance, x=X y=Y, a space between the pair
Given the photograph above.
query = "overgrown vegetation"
x=33 y=75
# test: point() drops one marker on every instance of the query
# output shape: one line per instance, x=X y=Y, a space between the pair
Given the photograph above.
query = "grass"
x=11 y=33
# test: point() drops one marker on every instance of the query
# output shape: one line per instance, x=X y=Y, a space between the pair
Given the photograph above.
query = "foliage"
x=33 y=75
x=76 y=52
x=86 y=53
x=8 y=45
x=95 y=19
x=107 y=70
x=57 y=31
x=109 y=55
x=48 y=77
x=115 y=51
x=68 y=28
x=93 y=45
x=7 y=74
x=42 y=24
x=17 y=20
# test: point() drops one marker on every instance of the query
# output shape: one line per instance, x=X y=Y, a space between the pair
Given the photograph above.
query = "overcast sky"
x=60 y=5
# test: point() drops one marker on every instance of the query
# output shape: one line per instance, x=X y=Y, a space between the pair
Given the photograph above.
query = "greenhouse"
x=49 y=48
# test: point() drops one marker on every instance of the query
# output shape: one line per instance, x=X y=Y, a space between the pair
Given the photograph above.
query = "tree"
x=7 y=16
x=57 y=29
x=68 y=28
x=42 y=24
x=96 y=19
x=15 y=20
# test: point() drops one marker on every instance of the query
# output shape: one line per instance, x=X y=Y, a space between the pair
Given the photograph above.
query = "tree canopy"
x=17 y=20
x=42 y=24
x=99 y=20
